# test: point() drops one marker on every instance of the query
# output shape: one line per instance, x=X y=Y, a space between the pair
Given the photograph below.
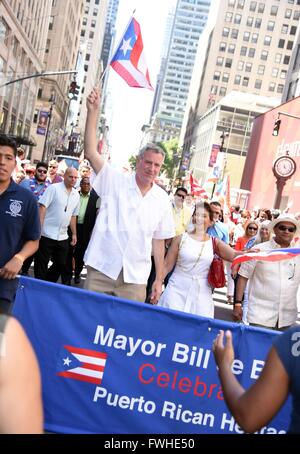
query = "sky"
x=129 y=108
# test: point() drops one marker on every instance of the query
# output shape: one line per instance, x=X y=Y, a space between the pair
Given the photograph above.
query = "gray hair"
x=151 y=147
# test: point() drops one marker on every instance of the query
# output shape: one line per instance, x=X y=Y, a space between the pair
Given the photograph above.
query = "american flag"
x=129 y=59
x=89 y=365
x=273 y=255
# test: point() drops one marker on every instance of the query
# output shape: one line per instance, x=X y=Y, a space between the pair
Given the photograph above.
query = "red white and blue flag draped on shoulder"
x=129 y=59
x=274 y=255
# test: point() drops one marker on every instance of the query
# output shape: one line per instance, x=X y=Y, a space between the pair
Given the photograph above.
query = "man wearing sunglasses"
x=273 y=285
x=39 y=183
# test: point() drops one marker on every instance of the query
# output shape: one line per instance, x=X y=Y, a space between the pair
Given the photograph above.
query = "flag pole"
x=109 y=62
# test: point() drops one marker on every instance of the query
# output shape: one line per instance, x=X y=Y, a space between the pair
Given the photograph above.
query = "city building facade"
x=247 y=47
x=189 y=21
x=62 y=45
x=23 y=36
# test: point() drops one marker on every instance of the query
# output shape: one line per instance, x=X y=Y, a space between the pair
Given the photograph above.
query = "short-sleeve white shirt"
x=61 y=205
x=126 y=224
x=272 y=289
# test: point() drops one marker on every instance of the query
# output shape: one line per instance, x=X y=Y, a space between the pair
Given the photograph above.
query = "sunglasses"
x=42 y=171
x=181 y=196
x=252 y=228
x=284 y=228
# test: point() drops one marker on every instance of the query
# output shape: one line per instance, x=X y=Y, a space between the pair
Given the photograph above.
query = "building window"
x=275 y=72
x=288 y=13
x=240 y=65
x=237 y=79
x=91 y=35
x=281 y=43
x=261 y=69
x=264 y=55
x=245 y=81
x=234 y=33
x=222 y=91
x=51 y=21
x=214 y=89
x=284 y=29
x=231 y=48
x=286 y=59
x=267 y=40
x=278 y=58
x=274 y=10
x=280 y=88
x=261 y=7
x=293 y=30
x=220 y=61
x=225 y=32
x=253 y=6
x=289 y=45
x=228 y=17
x=222 y=47
x=270 y=26
x=248 y=67
x=249 y=22
x=246 y=36
x=93 y=23
x=243 y=51
x=283 y=74
x=271 y=86
x=228 y=62
x=231 y=2
x=257 y=22
x=217 y=75
x=254 y=38
x=237 y=18
x=225 y=77
x=241 y=4
x=258 y=83
x=296 y=15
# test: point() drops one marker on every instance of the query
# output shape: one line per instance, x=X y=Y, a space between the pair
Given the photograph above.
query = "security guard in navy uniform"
x=19 y=226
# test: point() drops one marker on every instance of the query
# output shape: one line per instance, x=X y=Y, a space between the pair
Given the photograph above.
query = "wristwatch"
x=238 y=303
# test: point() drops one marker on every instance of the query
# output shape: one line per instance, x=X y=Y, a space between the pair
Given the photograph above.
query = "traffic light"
x=73 y=90
x=276 y=127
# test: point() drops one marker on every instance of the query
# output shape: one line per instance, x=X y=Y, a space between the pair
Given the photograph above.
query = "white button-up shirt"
x=61 y=206
x=126 y=224
x=272 y=289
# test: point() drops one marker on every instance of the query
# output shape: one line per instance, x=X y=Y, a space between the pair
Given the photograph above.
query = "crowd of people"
x=137 y=241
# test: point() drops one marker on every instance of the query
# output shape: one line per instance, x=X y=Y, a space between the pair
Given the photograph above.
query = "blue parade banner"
x=115 y=366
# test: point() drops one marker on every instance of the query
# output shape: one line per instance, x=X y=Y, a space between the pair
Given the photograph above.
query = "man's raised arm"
x=90 y=135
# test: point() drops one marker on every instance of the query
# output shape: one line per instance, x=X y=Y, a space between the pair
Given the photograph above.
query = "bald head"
x=70 y=177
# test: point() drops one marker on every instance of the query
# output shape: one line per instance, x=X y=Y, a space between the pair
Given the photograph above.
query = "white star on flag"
x=67 y=361
x=126 y=46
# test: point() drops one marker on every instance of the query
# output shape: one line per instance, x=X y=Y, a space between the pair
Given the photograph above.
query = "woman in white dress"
x=188 y=289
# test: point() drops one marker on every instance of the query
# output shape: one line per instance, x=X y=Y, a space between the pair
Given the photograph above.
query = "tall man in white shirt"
x=273 y=286
x=59 y=206
x=135 y=214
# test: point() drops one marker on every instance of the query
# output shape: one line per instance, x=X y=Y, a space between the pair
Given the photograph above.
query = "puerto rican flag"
x=196 y=189
x=274 y=255
x=89 y=364
x=129 y=59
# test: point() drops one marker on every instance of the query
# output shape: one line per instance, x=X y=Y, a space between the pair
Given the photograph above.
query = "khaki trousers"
x=99 y=282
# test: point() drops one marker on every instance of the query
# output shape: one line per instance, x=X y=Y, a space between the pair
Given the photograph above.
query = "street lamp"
x=52 y=100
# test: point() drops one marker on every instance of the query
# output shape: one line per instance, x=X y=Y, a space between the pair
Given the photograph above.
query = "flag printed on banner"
x=274 y=255
x=83 y=365
x=129 y=59
x=196 y=189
